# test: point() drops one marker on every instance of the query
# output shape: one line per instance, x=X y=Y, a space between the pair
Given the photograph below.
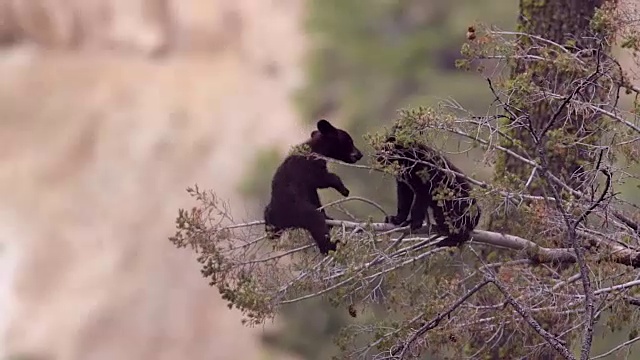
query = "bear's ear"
x=325 y=127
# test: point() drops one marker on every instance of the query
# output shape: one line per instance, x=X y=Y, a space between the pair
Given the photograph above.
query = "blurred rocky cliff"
x=109 y=109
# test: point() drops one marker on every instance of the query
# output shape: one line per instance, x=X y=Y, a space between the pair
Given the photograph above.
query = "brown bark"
x=560 y=21
x=563 y=22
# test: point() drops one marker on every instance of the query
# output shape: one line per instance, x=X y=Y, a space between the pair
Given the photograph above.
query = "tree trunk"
x=563 y=22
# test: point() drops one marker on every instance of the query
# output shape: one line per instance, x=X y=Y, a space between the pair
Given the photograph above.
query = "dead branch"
x=436 y=320
x=537 y=254
x=557 y=344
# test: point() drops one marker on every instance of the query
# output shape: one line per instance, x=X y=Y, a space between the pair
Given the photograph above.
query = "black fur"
x=294 y=195
x=421 y=185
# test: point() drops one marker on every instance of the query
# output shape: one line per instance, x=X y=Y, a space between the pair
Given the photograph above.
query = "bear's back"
x=424 y=154
x=296 y=177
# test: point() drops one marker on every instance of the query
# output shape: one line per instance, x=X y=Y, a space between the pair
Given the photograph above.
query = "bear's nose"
x=357 y=155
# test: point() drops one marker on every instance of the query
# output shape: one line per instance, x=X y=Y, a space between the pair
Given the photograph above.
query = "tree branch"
x=436 y=320
x=624 y=344
x=538 y=254
x=548 y=337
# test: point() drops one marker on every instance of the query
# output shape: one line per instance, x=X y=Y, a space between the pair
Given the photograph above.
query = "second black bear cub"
x=294 y=195
x=422 y=184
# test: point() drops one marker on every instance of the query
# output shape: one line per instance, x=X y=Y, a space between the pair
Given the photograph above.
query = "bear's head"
x=405 y=150
x=386 y=150
x=335 y=143
x=396 y=146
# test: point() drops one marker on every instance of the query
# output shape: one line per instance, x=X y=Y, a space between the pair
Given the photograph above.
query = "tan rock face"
x=97 y=150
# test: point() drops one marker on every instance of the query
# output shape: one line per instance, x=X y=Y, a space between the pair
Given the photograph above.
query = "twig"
x=597 y=202
x=436 y=320
x=548 y=337
x=617 y=287
x=357 y=198
x=624 y=344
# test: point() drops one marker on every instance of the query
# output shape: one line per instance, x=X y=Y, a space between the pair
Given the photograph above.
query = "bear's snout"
x=356 y=155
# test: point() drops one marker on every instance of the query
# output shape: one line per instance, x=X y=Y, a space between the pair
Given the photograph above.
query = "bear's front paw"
x=328 y=246
x=392 y=219
x=415 y=225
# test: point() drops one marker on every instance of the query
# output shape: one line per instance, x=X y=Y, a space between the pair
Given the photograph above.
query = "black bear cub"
x=294 y=188
x=423 y=184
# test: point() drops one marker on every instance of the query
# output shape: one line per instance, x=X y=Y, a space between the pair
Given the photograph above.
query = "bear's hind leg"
x=314 y=222
x=423 y=200
x=273 y=228
x=404 y=199
x=301 y=217
x=273 y=233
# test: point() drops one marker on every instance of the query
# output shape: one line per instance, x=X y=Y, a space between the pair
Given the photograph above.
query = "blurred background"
x=109 y=109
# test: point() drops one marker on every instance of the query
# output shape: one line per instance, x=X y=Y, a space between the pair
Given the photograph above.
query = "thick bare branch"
x=536 y=253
